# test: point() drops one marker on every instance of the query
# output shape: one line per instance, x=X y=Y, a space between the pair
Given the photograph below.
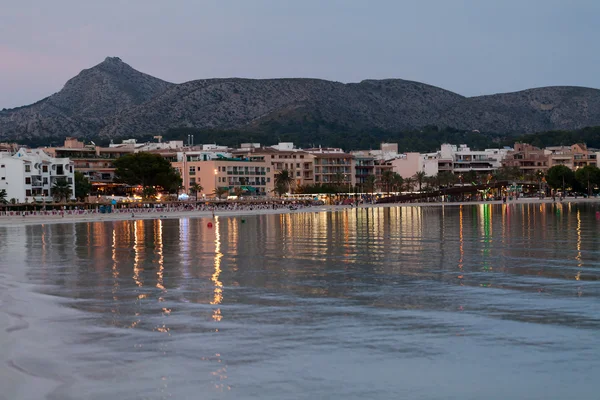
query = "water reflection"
x=384 y=284
x=218 y=285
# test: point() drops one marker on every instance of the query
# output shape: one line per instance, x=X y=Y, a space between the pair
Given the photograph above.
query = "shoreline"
x=15 y=221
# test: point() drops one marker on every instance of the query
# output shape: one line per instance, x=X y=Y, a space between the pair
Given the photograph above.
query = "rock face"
x=112 y=99
x=85 y=104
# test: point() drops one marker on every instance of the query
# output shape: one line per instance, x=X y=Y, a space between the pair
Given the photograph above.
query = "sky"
x=471 y=47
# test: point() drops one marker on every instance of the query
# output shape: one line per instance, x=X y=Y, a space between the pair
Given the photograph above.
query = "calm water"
x=483 y=301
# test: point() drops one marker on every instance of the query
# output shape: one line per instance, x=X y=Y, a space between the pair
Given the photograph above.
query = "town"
x=210 y=171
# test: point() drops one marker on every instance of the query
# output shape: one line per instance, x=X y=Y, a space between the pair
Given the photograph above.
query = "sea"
x=486 y=301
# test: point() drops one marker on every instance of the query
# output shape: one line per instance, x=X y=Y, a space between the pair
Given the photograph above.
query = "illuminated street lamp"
x=216 y=182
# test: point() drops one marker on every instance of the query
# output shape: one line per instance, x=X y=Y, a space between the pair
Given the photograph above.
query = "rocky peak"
x=106 y=89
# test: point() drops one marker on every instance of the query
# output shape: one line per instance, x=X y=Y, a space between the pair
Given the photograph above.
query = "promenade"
x=72 y=216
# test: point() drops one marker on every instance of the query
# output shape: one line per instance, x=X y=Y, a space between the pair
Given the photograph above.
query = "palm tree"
x=195 y=188
x=61 y=190
x=419 y=177
x=409 y=183
x=397 y=182
x=3 y=195
x=220 y=192
x=387 y=178
x=238 y=191
x=283 y=180
x=369 y=185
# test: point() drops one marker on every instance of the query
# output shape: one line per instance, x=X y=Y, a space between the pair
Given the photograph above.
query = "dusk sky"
x=471 y=47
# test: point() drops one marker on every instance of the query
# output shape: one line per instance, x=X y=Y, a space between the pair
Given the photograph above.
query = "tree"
x=387 y=177
x=470 y=177
x=283 y=180
x=149 y=192
x=61 y=190
x=220 y=192
x=419 y=177
x=338 y=180
x=588 y=177
x=147 y=170
x=369 y=185
x=446 y=179
x=508 y=174
x=83 y=187
x=238 y=191
x=560 y=176
x=3 y=195
x=397 y=182
x=195 y=189
x=408 y=184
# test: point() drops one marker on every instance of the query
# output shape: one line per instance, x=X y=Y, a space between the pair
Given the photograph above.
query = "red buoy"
x=209 y=224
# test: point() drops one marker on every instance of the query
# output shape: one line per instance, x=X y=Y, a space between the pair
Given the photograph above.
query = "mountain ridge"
x=112 y=99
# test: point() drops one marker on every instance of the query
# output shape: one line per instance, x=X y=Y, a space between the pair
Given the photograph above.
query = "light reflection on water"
x=362 y=303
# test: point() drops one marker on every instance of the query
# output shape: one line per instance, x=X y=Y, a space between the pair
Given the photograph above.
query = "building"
x=252 y=176
x=333 y=165
x=408 y=164
x=574 y=156
x=464 y=159
x=527 y=158
x=94 y=162
x=282 y=156
x=133 y=146
x=29 y=175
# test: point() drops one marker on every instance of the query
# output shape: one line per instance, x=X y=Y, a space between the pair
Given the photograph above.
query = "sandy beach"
x=8 y=221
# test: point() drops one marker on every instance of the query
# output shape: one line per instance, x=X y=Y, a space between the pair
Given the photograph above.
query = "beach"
x=121 y=215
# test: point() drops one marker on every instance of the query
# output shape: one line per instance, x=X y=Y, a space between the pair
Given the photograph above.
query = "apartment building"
x=527 y=158
x=574 y=156
x=464 y=159
x=282 y=156
x=333 y=165
x=29 y=175
x=254 y=177
x=408 y=164
x=94 y=162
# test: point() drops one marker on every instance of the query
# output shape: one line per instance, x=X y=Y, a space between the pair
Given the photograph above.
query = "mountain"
x=85 y=104
x=114 y=100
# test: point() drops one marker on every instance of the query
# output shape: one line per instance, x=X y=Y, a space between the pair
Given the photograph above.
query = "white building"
x=29 y=175
x=450 y=158
x=464 y=159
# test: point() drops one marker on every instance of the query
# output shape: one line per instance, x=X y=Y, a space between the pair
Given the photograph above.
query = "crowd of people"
x=151 y=208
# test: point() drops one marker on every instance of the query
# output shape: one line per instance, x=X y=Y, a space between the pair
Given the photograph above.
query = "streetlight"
x=216 y=183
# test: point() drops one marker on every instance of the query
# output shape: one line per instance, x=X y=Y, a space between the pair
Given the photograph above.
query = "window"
x=2 y=166
x=272 y=156
x=70 y=180
x=268 y=169
x=28 y=181
x=28 y=192
x=3 y=178
x=45 y=192
x=192 y=170
x=297 y=165
x=298 y=173
x=27 y=168
x=268 y=179
x=45 y=181
x=44 y=168
x=301 y=155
